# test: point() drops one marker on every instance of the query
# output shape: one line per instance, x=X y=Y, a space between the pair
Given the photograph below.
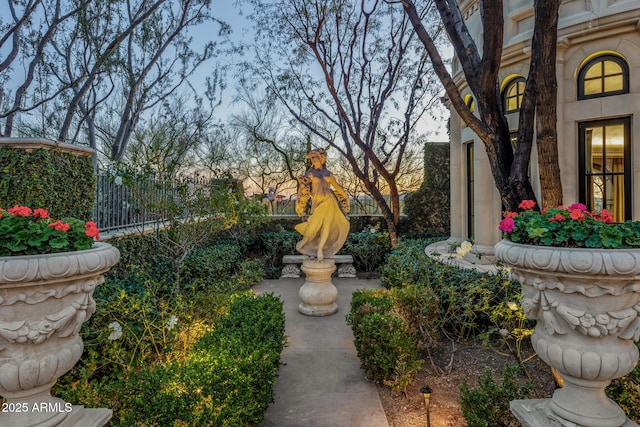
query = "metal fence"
x=120 y=207
x=138 y=204
x=360 y=206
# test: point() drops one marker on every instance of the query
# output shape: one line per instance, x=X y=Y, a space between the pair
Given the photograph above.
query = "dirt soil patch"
x=467 y=362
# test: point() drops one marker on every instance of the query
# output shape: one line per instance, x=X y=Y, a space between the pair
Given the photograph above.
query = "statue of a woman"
x=325 y=230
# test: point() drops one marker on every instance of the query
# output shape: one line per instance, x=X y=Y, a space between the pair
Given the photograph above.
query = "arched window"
x=470 y=102
x=603 y=76
x=512 y=95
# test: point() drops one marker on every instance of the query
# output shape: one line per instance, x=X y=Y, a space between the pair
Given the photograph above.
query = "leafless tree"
x=106 y=59
x=351 y=72
x=538 y=110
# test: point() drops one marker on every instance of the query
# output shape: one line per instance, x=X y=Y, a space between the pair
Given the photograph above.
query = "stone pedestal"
x=318 y=294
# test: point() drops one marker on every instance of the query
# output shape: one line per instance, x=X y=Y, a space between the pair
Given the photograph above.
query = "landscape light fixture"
x=426 y=393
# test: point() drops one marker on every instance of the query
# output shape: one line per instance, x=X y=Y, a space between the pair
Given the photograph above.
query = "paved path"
x=320 y=383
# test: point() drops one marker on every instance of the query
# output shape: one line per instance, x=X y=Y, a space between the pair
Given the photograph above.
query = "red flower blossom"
x=59 y=225
x=91 y=230
x=558 y=218
x=40 y=213
x=507 y=225
x=576 y=214
x=606 y=216
x=19 y=210
x=511 y=214
x=527 y=204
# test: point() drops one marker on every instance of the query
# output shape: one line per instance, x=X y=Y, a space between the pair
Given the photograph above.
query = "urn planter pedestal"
x=44 y=300
x=318 y=293
x=587 y=306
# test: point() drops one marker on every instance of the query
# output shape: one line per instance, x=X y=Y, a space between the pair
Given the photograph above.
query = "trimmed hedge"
x=225 y=379
x=56 y=180
x=428 y=208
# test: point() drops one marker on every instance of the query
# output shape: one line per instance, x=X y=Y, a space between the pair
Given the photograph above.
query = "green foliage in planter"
x=61 y=182
x=368 y=249
x=428 y=208
x=385 y=343
x=465 y=296
x=488 y=404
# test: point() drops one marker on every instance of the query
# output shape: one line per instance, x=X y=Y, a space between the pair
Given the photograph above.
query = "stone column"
x=318 y=294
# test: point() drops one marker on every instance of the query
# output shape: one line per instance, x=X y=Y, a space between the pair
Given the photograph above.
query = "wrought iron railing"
x=121 y=207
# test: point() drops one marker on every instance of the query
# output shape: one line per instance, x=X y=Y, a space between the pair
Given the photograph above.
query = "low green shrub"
x=384 y=342
x=488 y=404
x=419 y=306
x=215 y=373
x=210 y=264
x=368 y=249
x=271 y=247
x=386 y=350
x=465 y=296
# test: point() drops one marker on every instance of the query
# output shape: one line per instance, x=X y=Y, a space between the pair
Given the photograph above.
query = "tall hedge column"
x=41 y=173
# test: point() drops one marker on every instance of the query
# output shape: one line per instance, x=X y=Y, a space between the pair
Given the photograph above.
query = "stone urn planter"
x=44 y=300
x=587 y=306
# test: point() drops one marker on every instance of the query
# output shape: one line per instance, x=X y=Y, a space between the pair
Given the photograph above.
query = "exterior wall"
x=586 y=27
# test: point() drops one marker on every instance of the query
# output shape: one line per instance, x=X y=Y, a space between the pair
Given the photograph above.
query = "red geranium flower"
x=91 y=230
x=527 y=204
x=40 y=213
x=606 y=216
x=577 y=214
x=59 y=225
x=19 y=210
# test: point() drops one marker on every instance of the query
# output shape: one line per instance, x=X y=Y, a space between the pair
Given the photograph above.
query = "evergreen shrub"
x=465 y=296
x=368 y=249
x=64 y=183
x=488 y=404
x=428 y=208
x=385 y=344
x=219 y=372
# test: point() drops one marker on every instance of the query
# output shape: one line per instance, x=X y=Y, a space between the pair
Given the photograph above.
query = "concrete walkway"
x=320 y=383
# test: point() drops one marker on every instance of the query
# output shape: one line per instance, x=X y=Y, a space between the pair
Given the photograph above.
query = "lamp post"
x=426 y=393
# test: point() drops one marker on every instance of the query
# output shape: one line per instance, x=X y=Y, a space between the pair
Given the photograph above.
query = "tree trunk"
x=543 y=59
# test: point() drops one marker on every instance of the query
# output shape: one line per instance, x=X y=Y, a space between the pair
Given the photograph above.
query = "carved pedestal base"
x=536 y=413
x=587 y=306
x=318 y=294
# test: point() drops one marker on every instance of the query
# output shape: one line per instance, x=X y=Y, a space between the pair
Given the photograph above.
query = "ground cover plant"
x=207 y=355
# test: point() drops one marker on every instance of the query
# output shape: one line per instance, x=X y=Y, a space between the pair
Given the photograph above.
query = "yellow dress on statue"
x=326 y=229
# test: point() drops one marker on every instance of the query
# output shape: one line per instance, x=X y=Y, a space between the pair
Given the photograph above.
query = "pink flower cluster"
x=577 y=212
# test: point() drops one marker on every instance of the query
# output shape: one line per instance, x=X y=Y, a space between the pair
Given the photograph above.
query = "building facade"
x=598 y=74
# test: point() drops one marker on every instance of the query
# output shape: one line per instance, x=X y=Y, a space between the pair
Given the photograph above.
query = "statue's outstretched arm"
x=341 y=195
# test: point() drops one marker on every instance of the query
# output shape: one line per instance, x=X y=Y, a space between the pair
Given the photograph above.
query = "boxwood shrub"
x=466 y=297
x=225 y=379
x=386 y=344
